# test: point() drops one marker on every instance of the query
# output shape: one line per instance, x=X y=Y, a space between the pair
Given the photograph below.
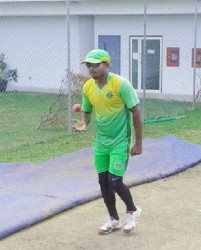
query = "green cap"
x=96 y=56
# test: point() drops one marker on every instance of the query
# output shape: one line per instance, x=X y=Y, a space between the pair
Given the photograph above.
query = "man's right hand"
x=79 y=126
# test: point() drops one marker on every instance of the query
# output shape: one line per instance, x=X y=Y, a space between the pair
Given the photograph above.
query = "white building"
x=34 y=39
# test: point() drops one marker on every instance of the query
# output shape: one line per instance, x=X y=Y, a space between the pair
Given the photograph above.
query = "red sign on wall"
x=173 y=55
x=198 y=58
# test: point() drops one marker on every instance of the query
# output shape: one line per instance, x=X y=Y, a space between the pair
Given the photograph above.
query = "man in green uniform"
x=116 y=107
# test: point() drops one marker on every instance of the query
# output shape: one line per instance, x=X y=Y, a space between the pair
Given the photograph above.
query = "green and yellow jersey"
x=111 y=105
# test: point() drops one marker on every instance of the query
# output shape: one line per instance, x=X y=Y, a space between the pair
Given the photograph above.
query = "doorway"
x=153 y=62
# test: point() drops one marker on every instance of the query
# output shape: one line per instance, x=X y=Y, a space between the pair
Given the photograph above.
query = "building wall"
x=86 y=40
x=37 y=46
x=34 y=37
x=176 y=31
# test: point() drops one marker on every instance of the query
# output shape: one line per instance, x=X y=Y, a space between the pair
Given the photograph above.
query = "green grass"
x=158 y=108
x=20 y=114
x=187 y=127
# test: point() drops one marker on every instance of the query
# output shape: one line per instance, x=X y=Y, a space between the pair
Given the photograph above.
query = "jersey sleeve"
x=86 y=105
x=128 y=95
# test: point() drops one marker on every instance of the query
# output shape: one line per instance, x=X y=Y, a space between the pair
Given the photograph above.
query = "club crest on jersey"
x=109 y=95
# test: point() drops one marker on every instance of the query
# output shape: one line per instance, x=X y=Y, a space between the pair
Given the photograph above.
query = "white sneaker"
x=110 y=225
x=132 y=220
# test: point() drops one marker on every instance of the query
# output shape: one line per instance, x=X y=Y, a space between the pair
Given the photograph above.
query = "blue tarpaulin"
x=32 y=192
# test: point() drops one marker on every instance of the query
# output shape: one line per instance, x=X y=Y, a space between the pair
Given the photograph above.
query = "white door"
x=153 y=62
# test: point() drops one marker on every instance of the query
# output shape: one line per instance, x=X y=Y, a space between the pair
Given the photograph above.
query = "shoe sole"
x=100 y=232
x=128 y=230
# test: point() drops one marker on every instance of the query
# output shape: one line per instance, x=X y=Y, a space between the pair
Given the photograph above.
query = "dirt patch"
x=170 y=219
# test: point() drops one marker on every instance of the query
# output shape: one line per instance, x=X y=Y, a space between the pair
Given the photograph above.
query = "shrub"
x=6 y=74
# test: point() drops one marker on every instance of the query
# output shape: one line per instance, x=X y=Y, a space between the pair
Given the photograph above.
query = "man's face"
x=97 y=70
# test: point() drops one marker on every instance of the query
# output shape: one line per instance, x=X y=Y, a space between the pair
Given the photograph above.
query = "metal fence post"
x=68 y=67
x=144 y=63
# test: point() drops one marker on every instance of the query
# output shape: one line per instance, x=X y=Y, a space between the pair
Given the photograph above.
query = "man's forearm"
x=138 y=129
x=137 y=122
x=85 y=117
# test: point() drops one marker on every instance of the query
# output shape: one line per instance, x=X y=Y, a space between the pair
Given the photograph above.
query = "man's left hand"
x=136 y=149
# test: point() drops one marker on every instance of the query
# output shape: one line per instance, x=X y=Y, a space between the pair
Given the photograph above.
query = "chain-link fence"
x=155 y=44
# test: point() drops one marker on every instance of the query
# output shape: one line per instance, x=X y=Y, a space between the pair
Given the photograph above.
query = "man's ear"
x=108 y=64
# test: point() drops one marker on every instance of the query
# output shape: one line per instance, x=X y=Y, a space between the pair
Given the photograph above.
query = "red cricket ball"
x=76 y=108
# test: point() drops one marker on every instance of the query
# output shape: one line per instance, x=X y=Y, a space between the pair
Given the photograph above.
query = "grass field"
x=21 y=140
